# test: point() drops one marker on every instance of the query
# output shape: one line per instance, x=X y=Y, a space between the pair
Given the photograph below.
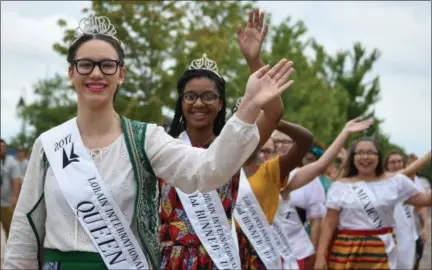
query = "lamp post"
x=20 y=107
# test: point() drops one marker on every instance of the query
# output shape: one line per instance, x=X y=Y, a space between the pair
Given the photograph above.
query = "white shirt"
x=310 y=197
x=387 y=192
x=181 y=165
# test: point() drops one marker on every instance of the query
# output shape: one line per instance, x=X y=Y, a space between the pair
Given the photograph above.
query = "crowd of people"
x=101 y=191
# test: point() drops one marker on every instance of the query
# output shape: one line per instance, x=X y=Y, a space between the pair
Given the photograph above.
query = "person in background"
x=309 y=199
x=404 y=216
x=282 y=142
x=421 y=218
x=409 y=237
x=314 y=154
x=10 y=182
x=268 y=150
x=22 y=159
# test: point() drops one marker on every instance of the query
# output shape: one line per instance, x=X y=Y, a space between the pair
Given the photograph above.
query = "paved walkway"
x=426 y=262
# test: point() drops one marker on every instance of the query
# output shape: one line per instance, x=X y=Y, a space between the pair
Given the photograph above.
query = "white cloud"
x=32 y=35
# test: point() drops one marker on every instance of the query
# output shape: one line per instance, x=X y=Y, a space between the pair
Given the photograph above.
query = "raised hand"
x=266 y=84
x=252 y=37
x=356 y=125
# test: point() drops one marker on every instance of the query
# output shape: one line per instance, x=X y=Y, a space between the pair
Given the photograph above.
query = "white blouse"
x=387 y=192
x=310 y=197
x=183 y=166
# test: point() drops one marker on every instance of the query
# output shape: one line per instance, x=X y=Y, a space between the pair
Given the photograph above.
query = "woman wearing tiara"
x=198 y=119
x=83 y=211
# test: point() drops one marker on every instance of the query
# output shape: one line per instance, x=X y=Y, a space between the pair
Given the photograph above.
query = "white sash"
x=254 y=225
x=297 y=238
x=281 y=237
x=84 y=190
x=209 y=221
x=367 y=200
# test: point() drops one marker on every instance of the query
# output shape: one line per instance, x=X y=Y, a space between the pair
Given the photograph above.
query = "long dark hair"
x=350 y=168
x=178 y=124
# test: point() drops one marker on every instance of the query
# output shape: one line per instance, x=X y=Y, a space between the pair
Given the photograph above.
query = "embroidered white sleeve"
x=192 y=169
x=406 y=187
x=21 y=248
x=334 y=195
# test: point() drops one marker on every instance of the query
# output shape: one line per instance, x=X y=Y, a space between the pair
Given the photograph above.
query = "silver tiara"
x=205 y=63
x=95 y=25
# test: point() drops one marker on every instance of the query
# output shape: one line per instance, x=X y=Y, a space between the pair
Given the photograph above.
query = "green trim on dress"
x=145 y=223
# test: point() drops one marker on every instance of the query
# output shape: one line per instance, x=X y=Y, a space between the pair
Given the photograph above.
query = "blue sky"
x=400 y=30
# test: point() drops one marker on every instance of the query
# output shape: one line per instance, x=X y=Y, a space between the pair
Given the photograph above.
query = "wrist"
x=321 y=253
x=248 y=112
x=345 y=132
x=254 y=63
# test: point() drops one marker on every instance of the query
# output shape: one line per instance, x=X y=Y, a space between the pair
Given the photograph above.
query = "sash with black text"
x=368 y=201
x=94 y=207
x=254 y=224
x=294 y=243
x=208 y=218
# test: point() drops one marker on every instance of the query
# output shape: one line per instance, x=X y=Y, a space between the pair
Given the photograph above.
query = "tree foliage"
x=160 y=38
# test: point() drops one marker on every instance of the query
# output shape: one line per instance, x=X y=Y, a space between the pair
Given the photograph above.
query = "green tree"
x=427 y=173
x=311 y=101
x=214 y=33
x=347 y=72
x=54 y=105
x=148 y=31
x=160 y=39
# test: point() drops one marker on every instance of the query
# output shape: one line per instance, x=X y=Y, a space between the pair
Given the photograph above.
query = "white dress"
x=386 y=194
x=183 y=166
x=406 y=232
x=310 y=197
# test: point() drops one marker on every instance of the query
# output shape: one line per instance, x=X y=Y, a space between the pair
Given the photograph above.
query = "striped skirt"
x=353 y=249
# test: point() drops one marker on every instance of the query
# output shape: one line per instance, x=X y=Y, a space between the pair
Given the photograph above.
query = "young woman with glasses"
x=357 y=232
x=90 y=197
x=198 y=120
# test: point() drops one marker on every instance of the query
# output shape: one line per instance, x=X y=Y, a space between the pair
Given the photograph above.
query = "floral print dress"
x=180 y=246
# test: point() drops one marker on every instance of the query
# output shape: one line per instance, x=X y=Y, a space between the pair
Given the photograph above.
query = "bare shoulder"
x=345 y=180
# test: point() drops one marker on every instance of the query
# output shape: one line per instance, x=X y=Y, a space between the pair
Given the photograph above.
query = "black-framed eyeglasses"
x=86 y=66
x=207 y=98
x=366 y=154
